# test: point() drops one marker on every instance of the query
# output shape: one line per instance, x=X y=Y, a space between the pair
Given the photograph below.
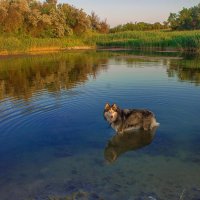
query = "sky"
x=122 y=11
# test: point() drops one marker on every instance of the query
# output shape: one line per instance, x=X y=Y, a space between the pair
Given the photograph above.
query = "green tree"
x=46 y=19
x=186 y=19
x=139 y=26
x=173 y=21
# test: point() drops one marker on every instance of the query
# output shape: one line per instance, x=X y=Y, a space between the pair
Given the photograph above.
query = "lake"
x=55 y=143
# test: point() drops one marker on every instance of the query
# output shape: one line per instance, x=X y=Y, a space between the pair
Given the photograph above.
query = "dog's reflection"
x=121 y=143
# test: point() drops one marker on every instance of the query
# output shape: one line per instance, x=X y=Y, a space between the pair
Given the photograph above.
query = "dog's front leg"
x=120 y=130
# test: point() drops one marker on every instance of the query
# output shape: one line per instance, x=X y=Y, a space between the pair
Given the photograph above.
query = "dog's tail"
x=154 y=123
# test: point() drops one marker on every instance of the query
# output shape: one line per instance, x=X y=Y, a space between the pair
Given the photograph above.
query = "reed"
x=146 y=40
x=143 y=40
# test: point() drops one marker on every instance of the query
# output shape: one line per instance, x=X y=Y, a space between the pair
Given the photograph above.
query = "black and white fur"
x=126 y=120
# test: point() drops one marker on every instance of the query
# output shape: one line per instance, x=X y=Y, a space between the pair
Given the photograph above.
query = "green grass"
x=23 y=44
x=146 y=40
x=143 y=40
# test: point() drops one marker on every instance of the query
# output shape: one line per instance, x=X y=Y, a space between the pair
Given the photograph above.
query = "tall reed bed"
x=180 y=40
x=144 y=40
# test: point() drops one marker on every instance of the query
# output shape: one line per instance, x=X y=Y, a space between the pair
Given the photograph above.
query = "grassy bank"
x=147 y=40
x=143 y=40
x=15 y=45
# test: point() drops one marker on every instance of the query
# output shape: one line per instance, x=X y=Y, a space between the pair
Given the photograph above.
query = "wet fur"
x=126 y=120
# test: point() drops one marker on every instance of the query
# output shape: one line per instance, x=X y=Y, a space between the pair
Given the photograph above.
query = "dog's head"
x=111 y=112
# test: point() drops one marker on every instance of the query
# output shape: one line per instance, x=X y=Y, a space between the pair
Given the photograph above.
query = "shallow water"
x=55 y=143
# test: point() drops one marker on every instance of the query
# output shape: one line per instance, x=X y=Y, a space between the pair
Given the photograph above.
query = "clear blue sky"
x=123 y=11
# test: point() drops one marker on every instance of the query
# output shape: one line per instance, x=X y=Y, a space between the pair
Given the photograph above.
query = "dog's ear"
x=115 y=107
x=107 y=106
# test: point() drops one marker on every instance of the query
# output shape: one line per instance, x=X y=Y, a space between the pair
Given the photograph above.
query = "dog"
x=126 y=120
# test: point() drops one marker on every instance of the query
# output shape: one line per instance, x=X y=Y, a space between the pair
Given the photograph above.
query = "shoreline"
x=149 y=41
x=46 y=50
x=43 y=50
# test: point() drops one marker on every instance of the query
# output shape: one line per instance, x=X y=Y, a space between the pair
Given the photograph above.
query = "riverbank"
x=183 y=41
x=19 y=45
x=44 y=50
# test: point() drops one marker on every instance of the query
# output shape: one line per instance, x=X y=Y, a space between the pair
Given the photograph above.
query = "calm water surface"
x=54 y=142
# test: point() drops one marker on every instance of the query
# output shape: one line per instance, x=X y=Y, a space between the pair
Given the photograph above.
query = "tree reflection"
x=187 y=69
x=22 y=77
x=184 y=67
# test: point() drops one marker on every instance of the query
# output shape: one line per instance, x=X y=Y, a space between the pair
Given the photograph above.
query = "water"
x=54 y=142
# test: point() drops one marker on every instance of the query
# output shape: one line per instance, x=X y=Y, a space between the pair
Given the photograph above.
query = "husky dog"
x=126 y=120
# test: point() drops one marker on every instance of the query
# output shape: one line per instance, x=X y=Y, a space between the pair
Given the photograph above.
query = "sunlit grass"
x=20 y=44
x=143 y=40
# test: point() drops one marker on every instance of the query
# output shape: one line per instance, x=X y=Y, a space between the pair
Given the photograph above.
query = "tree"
x=195 y=14
x=94 y=21
x=3 y=11
x=186 y=19
x=104 y=27
x=82 y=22
x=173 y=21
x=77 y=20
x=46 y=19
x=12 y=14
x=139 y=26
x=54 y=2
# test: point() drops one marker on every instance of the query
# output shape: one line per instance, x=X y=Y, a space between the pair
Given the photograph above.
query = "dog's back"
x=138 y=118
x=123 y=120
